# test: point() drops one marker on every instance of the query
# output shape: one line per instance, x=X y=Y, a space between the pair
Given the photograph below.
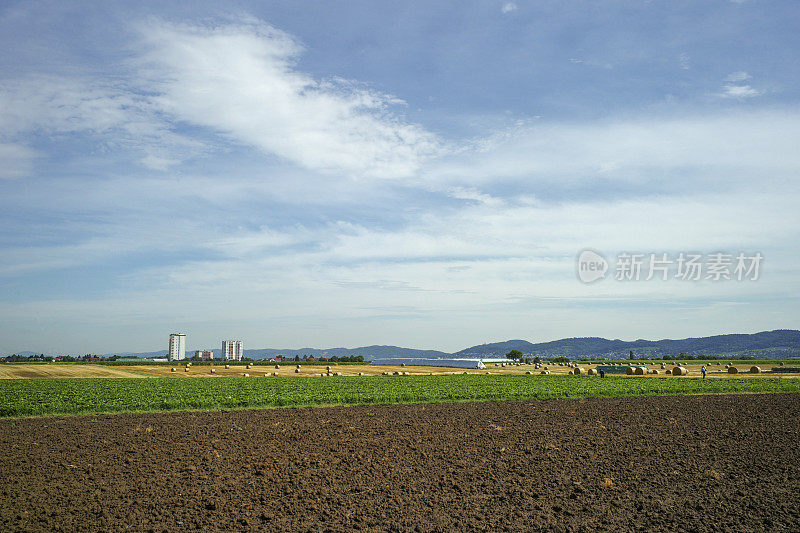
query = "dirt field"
x=697 y=463
x=61 y=370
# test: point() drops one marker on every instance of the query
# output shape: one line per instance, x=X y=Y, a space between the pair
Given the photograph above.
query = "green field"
x=37 y=397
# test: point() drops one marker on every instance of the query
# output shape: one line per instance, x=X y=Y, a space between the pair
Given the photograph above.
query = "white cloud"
x=16 y=160
x=738 y=76
x=735 y=88
x=241 y=80
x=508 y=7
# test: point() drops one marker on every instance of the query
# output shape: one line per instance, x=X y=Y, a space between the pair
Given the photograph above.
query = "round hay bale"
x=402 y=364
x=360 y=373
x=668 y=371
x=578 y=371
x=663 y=366
x=277 y=367
x=544 y=372
x=592 y=372
x=386 y=374
x=212 y=370
x=227 y=367
x=246 y=375
x=640 y=370
x=186 y=369
x=680 y=371
x=249 y=366
x=172 y=369
x=296 y=370
x=733 y=370
x=755 y=370
x=718 y=363
x=654 y=371
x=327 y=369
x=528 y=372
x=629 y=371
x=780 y=364
x=546 y=368
x=397 y=373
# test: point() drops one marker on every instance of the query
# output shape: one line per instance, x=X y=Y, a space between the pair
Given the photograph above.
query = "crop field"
x=35 y=397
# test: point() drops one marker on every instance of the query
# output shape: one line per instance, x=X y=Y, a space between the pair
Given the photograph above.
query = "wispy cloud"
x=735 y=88
x=241 y=80
x=508 y=7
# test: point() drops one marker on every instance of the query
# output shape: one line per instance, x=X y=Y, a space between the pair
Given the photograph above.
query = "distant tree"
x=537 y=360
x=359 y=359
x=514 y=354
x=631 y=356
x=296 y=357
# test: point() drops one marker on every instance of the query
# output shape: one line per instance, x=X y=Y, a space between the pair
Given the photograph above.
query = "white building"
x=232 y=350
x=177 y=347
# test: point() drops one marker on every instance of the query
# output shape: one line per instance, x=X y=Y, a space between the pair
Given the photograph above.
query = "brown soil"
x=698 y=463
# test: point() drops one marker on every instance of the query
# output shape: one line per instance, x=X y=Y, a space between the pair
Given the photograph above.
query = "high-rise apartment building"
x=177 y=347
x=232 y=350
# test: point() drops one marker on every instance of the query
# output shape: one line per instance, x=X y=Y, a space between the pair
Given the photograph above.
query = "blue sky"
x=422 y=174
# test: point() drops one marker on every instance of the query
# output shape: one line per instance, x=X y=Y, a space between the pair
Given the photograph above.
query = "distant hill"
x=781 y=342
x=778 y=343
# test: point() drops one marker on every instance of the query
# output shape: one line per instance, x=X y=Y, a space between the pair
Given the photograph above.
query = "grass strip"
x=40 y=397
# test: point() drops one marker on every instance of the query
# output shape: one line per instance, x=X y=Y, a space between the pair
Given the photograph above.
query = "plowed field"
x=701 y=463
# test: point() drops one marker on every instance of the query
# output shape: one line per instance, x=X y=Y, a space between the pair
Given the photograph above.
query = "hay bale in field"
x=755 y=370
x=172 y=370
x=277 y=367
x=639 y=370
x=680 y=371
x=227 y=367
x=360 y=373
x=249 y=366
x=327 y=369
x=663 y=366
x=668 y=371
x=717 y=363
x=386 y=374
x=654 y=371
x=335 y=374
x=296 y=370
x=398 y=373
x=528 y=372
x=402 y=364
x=733 y=370
x=212 y=370
x=578 y=371
x=544 y=372
x=246 y=375
x=779 y=364
x=592 y=372
x=546 y=368
x=186 y=369
x=629 y=371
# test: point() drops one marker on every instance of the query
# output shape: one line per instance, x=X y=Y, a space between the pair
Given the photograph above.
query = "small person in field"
x=703 y=370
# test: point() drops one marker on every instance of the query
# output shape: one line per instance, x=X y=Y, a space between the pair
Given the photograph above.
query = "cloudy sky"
x=423 y=174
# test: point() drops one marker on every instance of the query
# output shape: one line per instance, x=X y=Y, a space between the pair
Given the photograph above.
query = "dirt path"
x=702 y=463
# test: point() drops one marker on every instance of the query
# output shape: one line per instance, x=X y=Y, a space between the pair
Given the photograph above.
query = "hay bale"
x=360 y=373
x=246 y=375
x=668 y=371
x=654 y=371
x=528 y=372
x=592 y=371
x=544 y=372
x=779 y=364
x=629 y=371
x=402 y=364
x=680 y=371
x=172 y=369
x=386 y=374
x=640 y=370
x=327 y=369
x=212 y=370
x=755 y=370
x=249 y=366
x=546 y=368
x=663 y=366
x=578 y=371
x=277 y=367
x=733 y=370
x=186 y=369
x=227 y=367
x=398 y=373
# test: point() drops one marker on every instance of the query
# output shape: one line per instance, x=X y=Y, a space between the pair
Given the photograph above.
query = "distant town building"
x=232 y=350
x=205 y=355
x=177 y=347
